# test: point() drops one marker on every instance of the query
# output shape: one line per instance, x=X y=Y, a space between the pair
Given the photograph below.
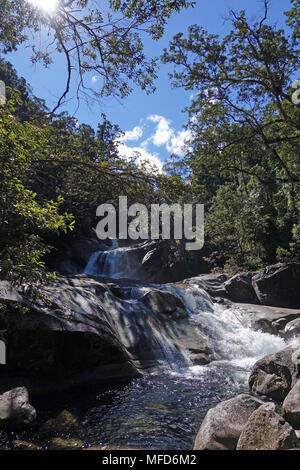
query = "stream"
x=164 y=408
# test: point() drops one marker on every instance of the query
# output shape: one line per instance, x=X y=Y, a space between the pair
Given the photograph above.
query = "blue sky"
x=152 y=123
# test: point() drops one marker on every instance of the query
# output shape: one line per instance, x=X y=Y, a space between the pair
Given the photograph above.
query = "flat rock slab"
x=268 y=319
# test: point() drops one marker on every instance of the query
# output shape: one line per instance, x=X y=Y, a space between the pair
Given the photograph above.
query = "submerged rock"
x=57 y=443
x=267 y=430
x=64 y=422
x=24 y=445
x=15 y=409
x=111 y=447
x=224 y=423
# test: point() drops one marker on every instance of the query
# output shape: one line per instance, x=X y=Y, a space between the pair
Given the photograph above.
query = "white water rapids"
x=231 y=342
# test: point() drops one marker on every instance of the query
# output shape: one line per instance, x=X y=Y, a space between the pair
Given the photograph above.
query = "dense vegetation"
x=242 y=160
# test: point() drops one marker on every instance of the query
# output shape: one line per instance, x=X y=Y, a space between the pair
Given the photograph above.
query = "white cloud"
x=135 y=134
x=166 y=135
x=177 y=143
x=163 y=130
x=144 y=156
x=94 y=79
x=163 y=135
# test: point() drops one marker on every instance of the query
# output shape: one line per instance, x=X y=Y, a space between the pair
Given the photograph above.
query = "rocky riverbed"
x=194 y=340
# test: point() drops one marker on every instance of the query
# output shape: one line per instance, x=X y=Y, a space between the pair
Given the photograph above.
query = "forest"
x=242 y=161
x=144 y=344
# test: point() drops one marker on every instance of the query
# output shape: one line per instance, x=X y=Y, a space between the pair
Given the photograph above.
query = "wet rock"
x=292 y=329
x=64 y=422
x=213 y=284
x=161 y=302
x=278 y=285
x=224 y=423
x=201 y=358
x=267 y=430
x=239 y=288
x=265 y=326
x=273 y=320
x=86 y=334
x=291 y=406
x=15 y=410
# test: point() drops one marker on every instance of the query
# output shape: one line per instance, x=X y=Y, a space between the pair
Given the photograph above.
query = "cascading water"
x=234 y=345
x=229 y=340
x=163 y=409
x=111 y=263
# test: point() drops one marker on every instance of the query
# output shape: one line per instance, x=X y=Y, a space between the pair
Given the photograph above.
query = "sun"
x=47 y=5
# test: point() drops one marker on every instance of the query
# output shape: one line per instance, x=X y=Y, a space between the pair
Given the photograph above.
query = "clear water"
x=160 y=411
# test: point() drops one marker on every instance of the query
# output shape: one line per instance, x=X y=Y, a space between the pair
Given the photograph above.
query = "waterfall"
x=113 y=262
x=229 y=340
x=92 y=265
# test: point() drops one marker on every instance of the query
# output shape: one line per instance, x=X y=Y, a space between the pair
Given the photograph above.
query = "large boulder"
x=275 y=374
x=278 y=285
x=213 y=284
x=291 y=406
x=267 y=430
x=224 y=423
x=91 y=330
x=239 y=288
x=176 y=324
x=168 y=261
x=15 y=410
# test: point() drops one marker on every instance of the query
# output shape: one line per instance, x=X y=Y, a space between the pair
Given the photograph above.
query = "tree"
x=23 y=219
x=245 y=126
x=28 y=107
x=107 y=44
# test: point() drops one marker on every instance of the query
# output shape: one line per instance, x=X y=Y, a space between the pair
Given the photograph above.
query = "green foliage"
x=242 y=160
x=23 y=219
x=28 y=107
x=237 y=223
x=106 y=43
x=244 y=157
